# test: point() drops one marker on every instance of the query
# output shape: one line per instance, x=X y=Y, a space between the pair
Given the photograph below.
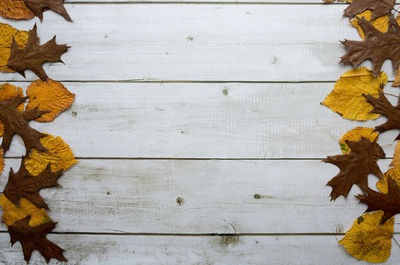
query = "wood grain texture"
x=202 y=121
x=246 y=250
x=176 y=196
x=198 y=42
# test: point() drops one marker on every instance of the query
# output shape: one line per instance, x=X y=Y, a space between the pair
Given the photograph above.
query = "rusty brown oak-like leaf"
x=33 y=55
x=379 y=8
x=384 y=107
x=34 y=237
x=24 y=185
x=377 y=46
x=38 y=6
x=355 y=167
x=16 y=122
x=389 y=203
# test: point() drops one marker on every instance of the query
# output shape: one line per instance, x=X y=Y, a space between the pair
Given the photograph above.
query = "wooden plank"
x=202 y=121
x=192 y=196
x=198 y=42
x=175 y=250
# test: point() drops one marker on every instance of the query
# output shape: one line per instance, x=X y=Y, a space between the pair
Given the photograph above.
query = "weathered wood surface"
x=199 y=42
x=202 y=121
x=213 y=250
x=192 y=196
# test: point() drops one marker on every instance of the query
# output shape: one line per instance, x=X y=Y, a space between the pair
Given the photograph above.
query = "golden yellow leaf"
x=380 y=24
x=12 y=213
x=15 y=9
x=393 y=173
x=355 y=136
x=6 y=36
x=396 y=156
x=60 y=156
x=8 y=91
x=49 y=95
x=369 y=241
x=347 y=97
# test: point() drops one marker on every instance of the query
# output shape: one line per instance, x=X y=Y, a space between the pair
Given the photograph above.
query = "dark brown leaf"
x=38 y=6
x=17 y=122
x=384 y=107
x=379 y=8
x=355 y=167
x=33 y=55
x=377 y=46
x=34 y=237
x=389 y=203
x=24 y=185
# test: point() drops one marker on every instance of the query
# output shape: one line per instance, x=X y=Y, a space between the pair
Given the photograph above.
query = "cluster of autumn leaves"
x=359 y=95
x=47 y=157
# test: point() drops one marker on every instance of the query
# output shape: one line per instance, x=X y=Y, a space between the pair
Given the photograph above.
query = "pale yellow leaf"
x=347 y=97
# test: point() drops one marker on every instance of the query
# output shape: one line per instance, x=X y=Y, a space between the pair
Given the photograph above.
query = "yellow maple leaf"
x=6 y=37
x=347 y=97
x=59 y=155
x=15 y=9
x=380 y=24
x=48 y=95
x=8 y=91
x=355 y=135
x=12 y=213
x=367 y=240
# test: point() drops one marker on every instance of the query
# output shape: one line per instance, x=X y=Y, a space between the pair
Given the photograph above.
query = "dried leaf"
x=34 y=55
x=396 y=82
x=380 y=24
x=8 y=91
x=383 y=106
x=12 y=213
x=34 y=238
x=377 y=46
x=396 y=156
x=389 y=203
x=49 y=95
x=355 y=136
x=15 y=9
x=347 y=98
x=379 y=8
x=355 y=167
x=7 y=33
x=369 y=241
x=59 y=155
x=393 y=173
x=22 y=184
x=38 y=6
x=16 y=122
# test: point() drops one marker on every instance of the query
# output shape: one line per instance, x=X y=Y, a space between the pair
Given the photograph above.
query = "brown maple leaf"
x=24 y=185
x=379 y=8
x=377 y=46
x=34 y=237
x=33 y=55
x=355 y=167
x=383 y=106
x=16 y=122
x=38 y=6
x=389 y=203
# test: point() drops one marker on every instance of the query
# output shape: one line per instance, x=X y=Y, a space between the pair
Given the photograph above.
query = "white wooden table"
x=200 y=133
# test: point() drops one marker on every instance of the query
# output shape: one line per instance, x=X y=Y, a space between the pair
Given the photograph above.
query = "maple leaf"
x=34 y=237
x=16 y=122
x=34 y=55
x=369 y=241
x=25 y=185
x=383 y=106
x=355 y=166
x=377 y=46
x=38 y=6
x=379 y=8
x=389 y=203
